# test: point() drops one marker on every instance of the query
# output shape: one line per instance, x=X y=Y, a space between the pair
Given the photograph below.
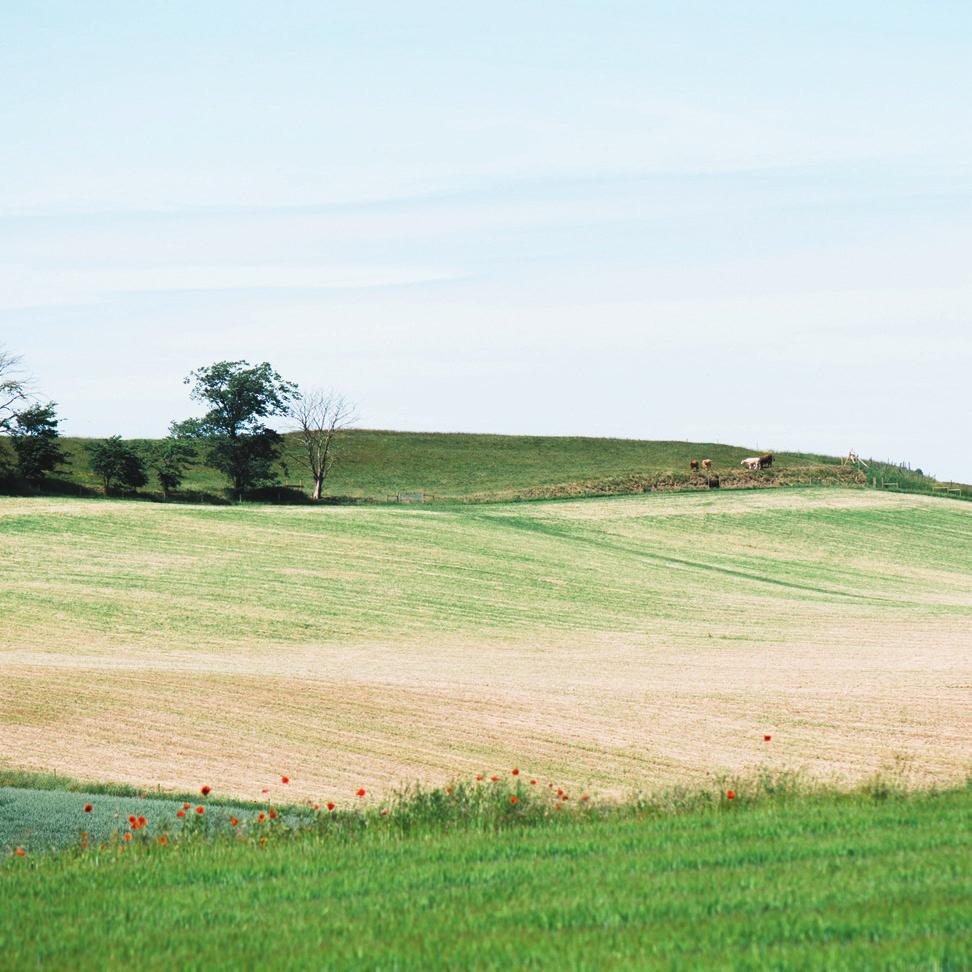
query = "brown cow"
x=706 y=464
x=694 y=465
x=766 y=460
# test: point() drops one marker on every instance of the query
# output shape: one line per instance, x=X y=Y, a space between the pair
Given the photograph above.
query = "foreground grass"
x=785 y=880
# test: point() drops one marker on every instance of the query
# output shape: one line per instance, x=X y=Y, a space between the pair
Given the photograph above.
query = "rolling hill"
x=379 y=465
x=616 y=643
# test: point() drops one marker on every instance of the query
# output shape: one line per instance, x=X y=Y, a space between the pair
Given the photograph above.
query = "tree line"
x=232 y=436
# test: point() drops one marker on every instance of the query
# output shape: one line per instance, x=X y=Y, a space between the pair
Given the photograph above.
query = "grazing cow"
x=751 y=463
x=706 y=464
x=694 y=465
x=766 y=460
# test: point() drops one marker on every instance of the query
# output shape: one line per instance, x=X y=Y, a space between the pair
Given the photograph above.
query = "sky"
x=743 y=222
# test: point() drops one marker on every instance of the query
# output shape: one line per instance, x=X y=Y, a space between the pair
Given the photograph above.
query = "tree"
x=117 y=462
x=14 y=390
x=169 y=460
x=34 y=435
x=319 y=416
x=241 y=395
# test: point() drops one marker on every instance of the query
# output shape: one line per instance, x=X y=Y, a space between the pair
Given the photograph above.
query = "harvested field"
x=621 y=643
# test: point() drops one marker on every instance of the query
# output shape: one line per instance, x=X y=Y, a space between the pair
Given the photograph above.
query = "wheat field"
x=619 y=644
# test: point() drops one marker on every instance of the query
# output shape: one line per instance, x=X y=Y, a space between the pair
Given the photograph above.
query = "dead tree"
x=319 y=417
x=14 y=390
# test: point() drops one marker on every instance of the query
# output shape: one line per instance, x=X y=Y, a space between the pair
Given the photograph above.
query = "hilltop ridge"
x=378 y=465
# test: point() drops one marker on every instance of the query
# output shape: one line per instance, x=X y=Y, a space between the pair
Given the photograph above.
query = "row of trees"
x=232 y=435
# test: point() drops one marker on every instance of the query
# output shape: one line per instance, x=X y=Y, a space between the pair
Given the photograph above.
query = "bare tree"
x=14 y=389
x=319 y=416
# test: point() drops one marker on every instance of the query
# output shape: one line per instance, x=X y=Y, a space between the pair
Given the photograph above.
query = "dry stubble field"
x=619 y=644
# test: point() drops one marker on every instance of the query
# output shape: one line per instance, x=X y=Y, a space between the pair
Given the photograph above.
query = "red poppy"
x=84 y=836
x=266 y=789
x=284 y=779
x=206 y=790
x=88 y=808
x=186 y=806
x=142 y=821
x=163 y=840
x=448 y=789
x=584 y=796
x=731 y=795
x=132 y=820
x=127 y=837
x=560 y=792
x=317 y=806
x=84 y=843
x=514 y=799
x=384 y=813
x=533 y=782
x=516 y=772
x=330 y=806
x=494 y=779
x=273 y=814
x=767 y=738
x=565 y=797
x=20 y=852
x=262 y=817
x=180 y=813
x=479 y=778
x=361 y=792
x=200 y=810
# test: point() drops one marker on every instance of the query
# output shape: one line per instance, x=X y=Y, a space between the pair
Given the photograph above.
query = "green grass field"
x=377 y=464
x=788 y=879
x=612 y=643
x=605 y=646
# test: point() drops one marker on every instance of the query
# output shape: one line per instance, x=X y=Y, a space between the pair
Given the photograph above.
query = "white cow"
x=751 y=463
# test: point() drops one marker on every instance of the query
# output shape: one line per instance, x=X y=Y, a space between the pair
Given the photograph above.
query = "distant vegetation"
x=378 y=465
x=230 y=452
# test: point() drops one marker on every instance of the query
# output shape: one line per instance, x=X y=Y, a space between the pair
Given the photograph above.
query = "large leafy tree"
x=34 y=436
x=117 y=463
x=240 y=397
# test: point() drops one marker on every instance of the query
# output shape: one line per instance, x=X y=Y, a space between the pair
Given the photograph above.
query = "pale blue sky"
x=744 y=222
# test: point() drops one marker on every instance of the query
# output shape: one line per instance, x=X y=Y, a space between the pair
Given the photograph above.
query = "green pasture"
x=792 y=879
x=377 y=464
x=127 y=571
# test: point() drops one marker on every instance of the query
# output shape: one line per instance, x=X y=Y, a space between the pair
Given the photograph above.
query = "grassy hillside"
x=377 y=464
x=777 y=881
x=612 y=643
